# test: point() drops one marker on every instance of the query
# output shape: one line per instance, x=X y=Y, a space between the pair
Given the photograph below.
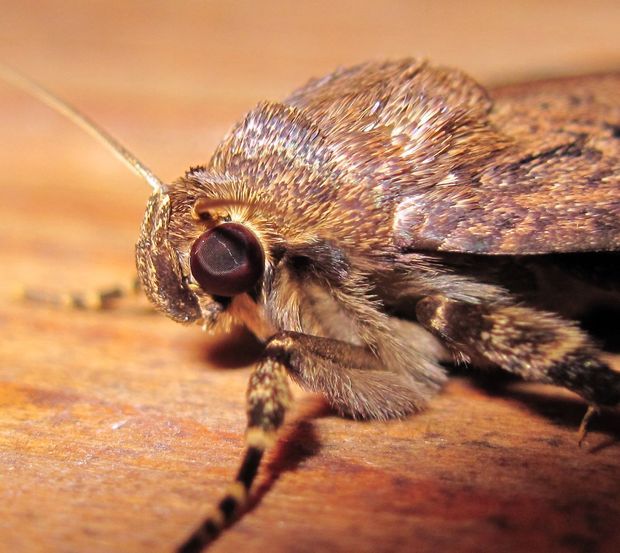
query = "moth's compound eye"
x=227 y=260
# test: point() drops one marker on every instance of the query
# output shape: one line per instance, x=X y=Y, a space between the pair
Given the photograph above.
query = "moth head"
x=197 y=254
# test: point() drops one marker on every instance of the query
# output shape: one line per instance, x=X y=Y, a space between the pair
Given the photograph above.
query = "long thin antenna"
x=50 y=99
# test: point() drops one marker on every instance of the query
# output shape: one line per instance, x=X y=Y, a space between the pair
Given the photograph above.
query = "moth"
x=388 y=218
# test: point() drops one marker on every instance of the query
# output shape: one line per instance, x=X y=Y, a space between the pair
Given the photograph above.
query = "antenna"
x=50 y=99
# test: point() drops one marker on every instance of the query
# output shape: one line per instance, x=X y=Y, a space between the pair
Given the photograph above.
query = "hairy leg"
x=351 y=377
x=535 y=345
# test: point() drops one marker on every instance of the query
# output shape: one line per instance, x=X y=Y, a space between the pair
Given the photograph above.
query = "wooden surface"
x=118 y=429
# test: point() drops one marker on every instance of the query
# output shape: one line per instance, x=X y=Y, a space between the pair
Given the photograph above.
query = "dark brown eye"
x=227 y=260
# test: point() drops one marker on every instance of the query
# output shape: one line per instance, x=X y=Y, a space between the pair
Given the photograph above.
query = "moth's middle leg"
x=535 y=345
x=353 y=379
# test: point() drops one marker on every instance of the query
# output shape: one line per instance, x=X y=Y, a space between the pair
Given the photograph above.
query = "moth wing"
x=529 y=169
x=554 y=188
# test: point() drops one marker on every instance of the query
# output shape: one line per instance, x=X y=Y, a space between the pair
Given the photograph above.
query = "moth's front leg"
x=535 y=345
x=352 y=379
x=268 y=397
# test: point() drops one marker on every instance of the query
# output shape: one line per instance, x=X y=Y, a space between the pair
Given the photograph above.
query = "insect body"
x=389 y=217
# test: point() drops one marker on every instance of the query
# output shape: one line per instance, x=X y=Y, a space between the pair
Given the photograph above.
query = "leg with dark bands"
x=351 y=377
x=267 y=400
x=535 y=345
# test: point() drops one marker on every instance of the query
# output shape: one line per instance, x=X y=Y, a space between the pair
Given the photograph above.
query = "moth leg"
x=583 y=427
x=268 y=397
x=91 y=300
x=352 y=378
x=533 y=344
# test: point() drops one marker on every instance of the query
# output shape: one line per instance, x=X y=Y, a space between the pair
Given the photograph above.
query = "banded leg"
x=351 y=377
x=92 y=300
x=535 y=345
x=267 y=400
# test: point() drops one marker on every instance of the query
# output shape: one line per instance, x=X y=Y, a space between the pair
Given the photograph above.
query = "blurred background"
x=113 y=427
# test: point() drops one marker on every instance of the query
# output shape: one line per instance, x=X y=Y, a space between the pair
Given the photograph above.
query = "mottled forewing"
x=529 y=169
x=556 y=189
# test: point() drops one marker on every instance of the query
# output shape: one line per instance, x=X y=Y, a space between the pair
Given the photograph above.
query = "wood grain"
x=118 y=429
